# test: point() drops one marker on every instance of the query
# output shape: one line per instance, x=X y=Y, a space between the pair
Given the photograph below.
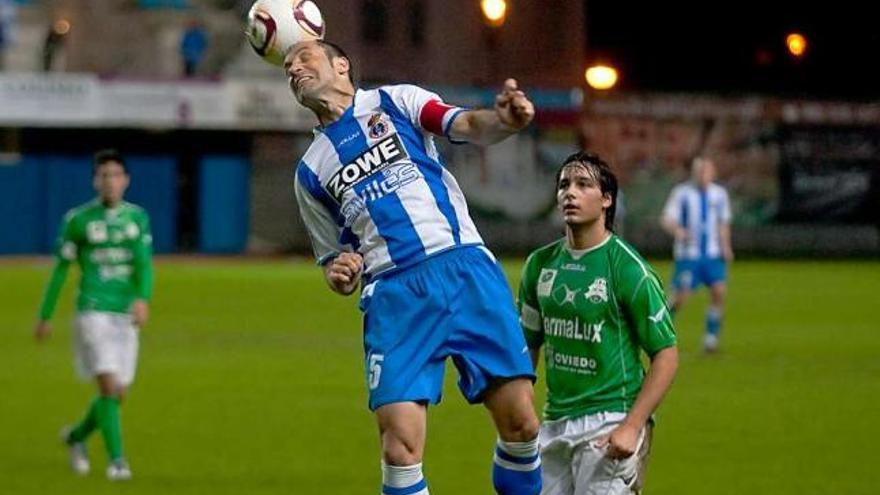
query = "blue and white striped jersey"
x=373 y=182
x=701 y=212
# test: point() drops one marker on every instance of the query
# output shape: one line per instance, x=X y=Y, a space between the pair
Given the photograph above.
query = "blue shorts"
x=690 y=274
x=455 y=304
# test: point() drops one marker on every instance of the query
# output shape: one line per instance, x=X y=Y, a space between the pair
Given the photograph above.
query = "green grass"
x=251 y=382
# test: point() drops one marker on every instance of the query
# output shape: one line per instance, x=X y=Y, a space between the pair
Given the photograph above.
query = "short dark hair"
x=108 y=155
x=601 y=170
x=335 y=51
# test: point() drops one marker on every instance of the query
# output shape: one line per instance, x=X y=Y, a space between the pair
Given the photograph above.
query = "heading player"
x=382 y=210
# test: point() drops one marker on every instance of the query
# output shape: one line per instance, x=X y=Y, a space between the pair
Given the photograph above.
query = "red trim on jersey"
x=432 y=115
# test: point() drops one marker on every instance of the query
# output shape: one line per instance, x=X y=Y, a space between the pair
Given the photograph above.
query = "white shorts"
x=105 y=343
x=574 y=465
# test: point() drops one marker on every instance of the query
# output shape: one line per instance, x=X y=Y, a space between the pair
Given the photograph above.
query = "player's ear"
x=342 y=65
x=606 y=200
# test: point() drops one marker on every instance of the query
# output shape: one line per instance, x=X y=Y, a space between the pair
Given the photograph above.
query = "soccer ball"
x=273 y=26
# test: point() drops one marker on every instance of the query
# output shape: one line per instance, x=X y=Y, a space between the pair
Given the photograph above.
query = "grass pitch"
x=251 y=382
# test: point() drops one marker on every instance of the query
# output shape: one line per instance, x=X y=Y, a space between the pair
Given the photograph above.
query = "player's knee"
x=522 y=426
x=400 y=451
x=109 y=387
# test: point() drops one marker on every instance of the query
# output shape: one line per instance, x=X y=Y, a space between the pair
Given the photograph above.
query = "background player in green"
x=593 y=303
x=110 y=240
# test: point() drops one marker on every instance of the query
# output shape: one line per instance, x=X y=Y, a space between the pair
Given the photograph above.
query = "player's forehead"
x=110 y=167
x=303 y=48
x=700 y=164
x=578 y=171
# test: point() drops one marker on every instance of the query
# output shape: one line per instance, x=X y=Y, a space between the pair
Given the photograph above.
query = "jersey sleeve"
x=143 y=258
x=66 y=248
x=529 y=309
x=672 y=209
x=646 y=309
x=315 y=209
x=424 y=109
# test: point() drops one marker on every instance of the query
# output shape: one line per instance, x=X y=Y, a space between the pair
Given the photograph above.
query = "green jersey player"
x=110 y=240
x=593 y=303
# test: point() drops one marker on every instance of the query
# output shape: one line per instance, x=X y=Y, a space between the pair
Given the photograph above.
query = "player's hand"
x=344 y=272
x=682 y=234
x=621 y=442
x=728 y=254
x=140 y=312
x=513 y=108
x=43 y=330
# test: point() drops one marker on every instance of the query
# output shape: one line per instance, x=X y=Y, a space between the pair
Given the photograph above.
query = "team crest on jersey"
x=378 y=126
x=545 y=281
x=597 y=291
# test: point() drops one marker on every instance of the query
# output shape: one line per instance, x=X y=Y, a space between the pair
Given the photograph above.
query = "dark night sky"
x=714 y=46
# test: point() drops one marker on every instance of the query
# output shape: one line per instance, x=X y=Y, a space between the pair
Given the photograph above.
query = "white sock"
x=519 y=449
x=403 y=480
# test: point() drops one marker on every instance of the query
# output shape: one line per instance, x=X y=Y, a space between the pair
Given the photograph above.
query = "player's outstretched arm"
x=344 y=273
x=623 y=440
x=512 y=112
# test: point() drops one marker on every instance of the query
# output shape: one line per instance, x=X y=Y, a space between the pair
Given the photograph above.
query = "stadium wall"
x=804 y=175
x=36 y=190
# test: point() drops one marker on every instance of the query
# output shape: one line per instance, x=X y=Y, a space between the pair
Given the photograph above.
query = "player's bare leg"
x=402 y=429
x=679 y=298
x=512 y=407
x=109 y=386
x=517 y=463
x=714 y=316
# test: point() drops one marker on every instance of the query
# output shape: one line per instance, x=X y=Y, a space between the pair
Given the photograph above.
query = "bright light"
x=601 y=76
x=61 y=27
x=797 y=44
x=494 y=11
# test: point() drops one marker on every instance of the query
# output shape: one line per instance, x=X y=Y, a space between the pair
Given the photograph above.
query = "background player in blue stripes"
x=697 y=214
x=384 y=213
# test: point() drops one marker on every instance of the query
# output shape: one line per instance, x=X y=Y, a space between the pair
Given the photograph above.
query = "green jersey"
x=113 y=247
x=593 y=311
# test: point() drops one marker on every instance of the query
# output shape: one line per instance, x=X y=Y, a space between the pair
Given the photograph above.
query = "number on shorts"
x=375 y=370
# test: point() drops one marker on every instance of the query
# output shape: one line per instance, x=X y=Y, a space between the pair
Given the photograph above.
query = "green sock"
x=87 y=425
x=111 y=426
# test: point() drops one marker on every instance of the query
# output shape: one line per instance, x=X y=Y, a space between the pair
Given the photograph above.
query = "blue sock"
x=403 y=480
x=713 y=320
x=517 y=468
